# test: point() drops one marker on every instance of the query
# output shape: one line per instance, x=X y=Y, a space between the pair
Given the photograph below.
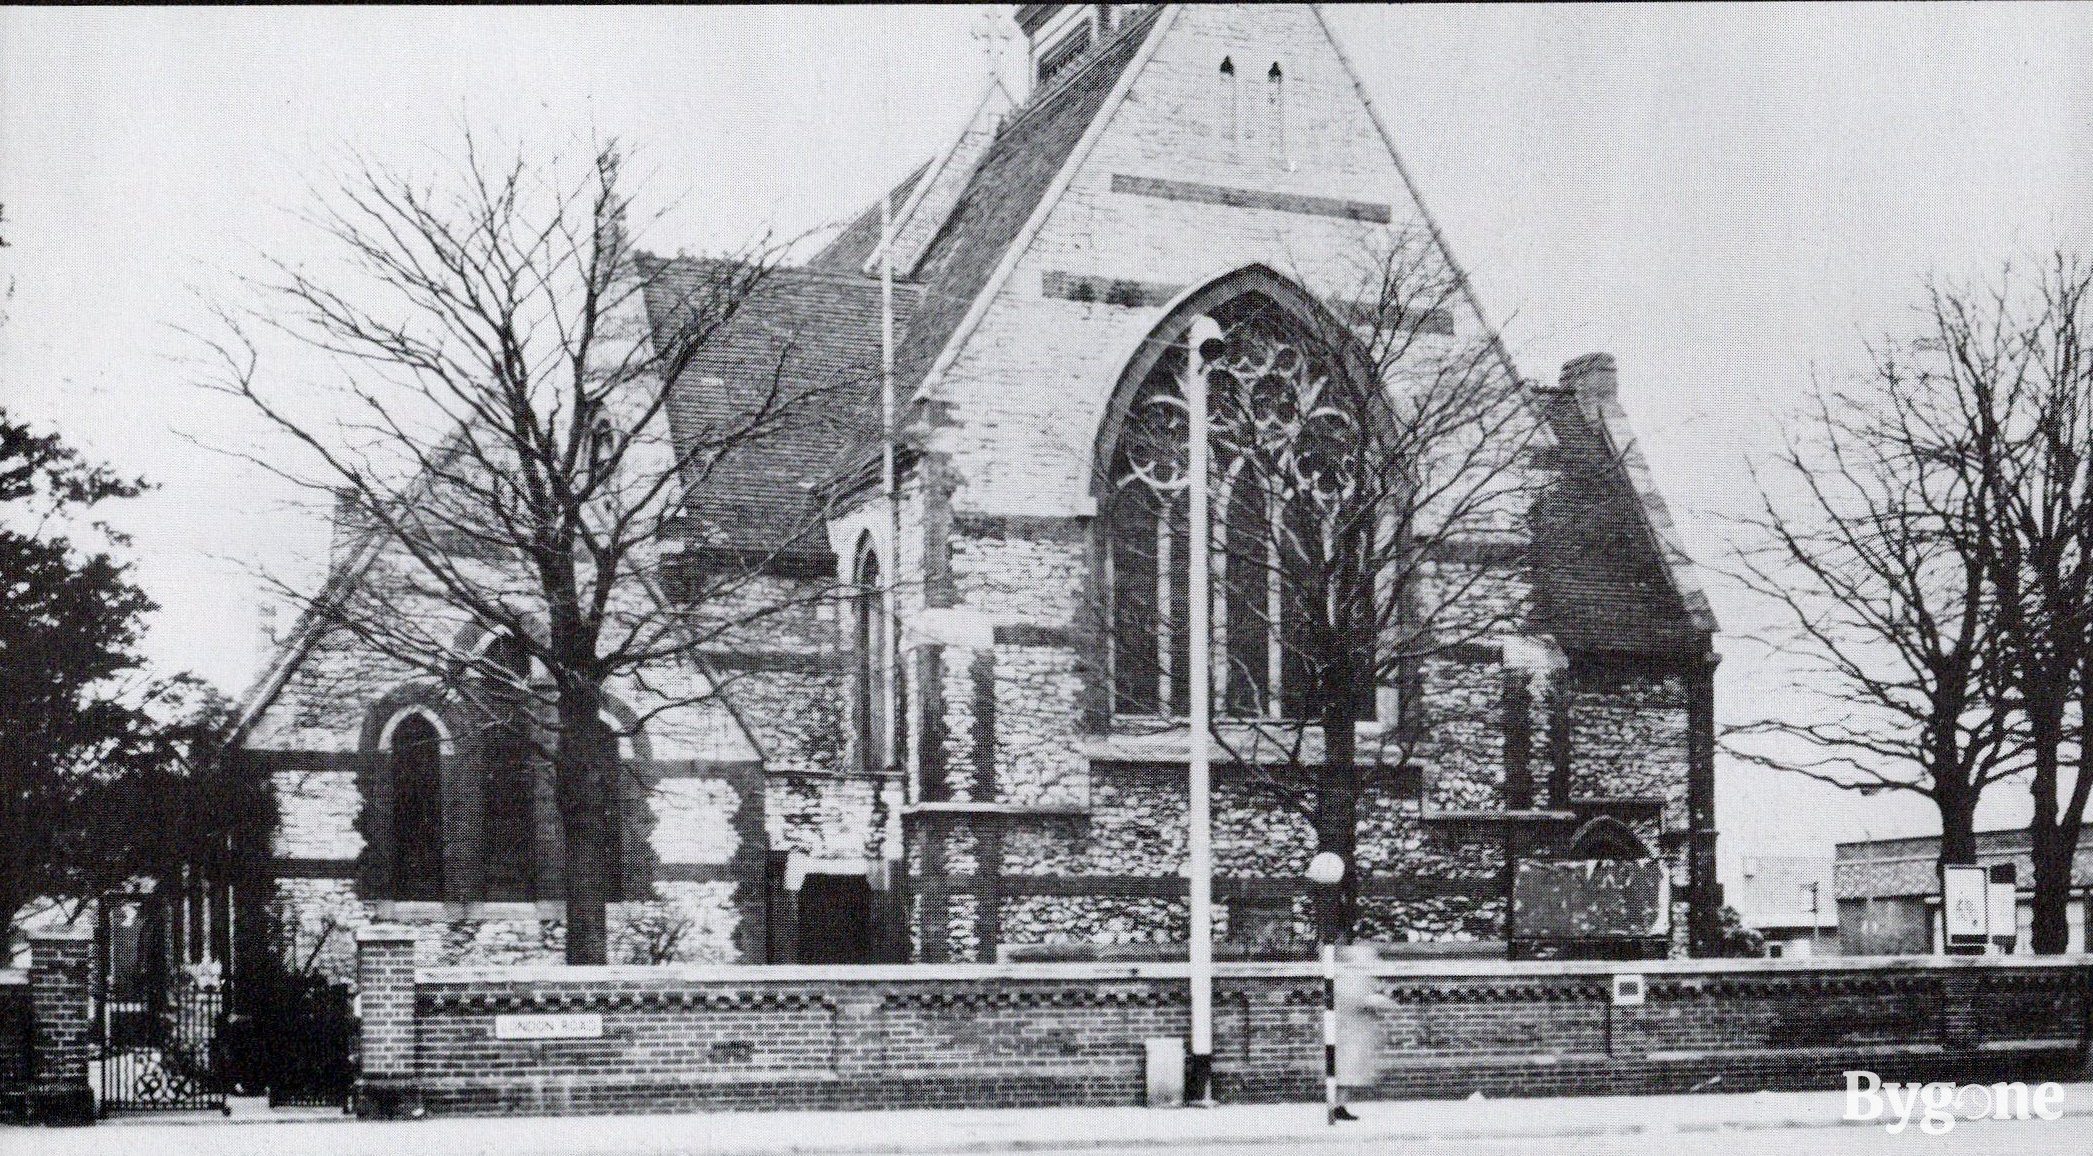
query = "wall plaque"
x=551 y=1026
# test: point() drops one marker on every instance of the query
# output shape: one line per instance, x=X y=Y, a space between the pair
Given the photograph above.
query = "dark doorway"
x=835 y=919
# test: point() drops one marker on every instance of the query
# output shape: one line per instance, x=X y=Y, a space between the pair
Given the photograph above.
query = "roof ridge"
x=858 y=224
x=1064 y=80
x=1131 y=48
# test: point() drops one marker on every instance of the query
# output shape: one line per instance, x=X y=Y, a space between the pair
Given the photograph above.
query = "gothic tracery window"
x=1283 y=446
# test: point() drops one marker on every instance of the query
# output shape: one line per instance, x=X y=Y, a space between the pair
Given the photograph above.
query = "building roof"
x=1006 y=187
x=848 y=251
x=1600 y=581
x=1603 y=579
x=809 y=339
x=1894 y=868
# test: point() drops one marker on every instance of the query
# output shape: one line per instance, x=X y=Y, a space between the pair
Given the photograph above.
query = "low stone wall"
x=964 y=1035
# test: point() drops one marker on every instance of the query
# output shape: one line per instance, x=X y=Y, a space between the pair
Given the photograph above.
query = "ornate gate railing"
x=160 y=1053
x=156 y=1026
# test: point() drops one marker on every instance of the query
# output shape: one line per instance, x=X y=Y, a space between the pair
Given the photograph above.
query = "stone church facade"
x=1166 y=163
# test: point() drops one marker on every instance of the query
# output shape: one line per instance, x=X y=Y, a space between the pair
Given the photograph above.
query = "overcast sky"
x=1729 y=199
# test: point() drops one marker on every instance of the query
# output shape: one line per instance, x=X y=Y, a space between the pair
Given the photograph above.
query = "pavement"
x=1754 y=1120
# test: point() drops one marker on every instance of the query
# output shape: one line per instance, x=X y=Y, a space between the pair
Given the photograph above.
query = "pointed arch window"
x=1281 y=453
x=869 y=644
x=624 y=859
x=603 y=445
x=415 y=758
x=1275 y=113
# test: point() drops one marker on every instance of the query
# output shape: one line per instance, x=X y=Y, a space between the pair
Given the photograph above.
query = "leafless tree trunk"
x=1931 y=540
x=503 y=393
x=1873 y=542
x=2022 y=354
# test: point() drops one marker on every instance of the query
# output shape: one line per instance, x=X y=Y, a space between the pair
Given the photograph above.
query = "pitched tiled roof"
x=1904 y=867
x=1600 y=582
x=816 y=335
x=851 y=248
x=1007 y=186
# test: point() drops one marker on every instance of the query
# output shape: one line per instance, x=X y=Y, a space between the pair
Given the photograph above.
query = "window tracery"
x=1284 y=451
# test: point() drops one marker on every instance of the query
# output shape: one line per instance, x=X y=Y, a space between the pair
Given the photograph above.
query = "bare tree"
x=506 y=360
x=1373 y=482
x=2020 y=354
x=1873 y=541
x=1934 y=554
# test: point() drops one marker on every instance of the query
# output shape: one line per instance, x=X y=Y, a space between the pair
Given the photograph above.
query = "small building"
x=1789 y=901
x=1889 y=892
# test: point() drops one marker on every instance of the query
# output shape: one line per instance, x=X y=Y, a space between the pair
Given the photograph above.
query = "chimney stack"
x=1591 y=377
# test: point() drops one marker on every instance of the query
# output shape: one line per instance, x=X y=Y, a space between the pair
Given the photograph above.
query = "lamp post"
x=1203 y=344
x=1327 y=870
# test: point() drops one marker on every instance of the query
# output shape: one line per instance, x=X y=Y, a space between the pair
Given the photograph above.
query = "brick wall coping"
x=1417 y=969
x=61 y=933
x=13 y=977
x=385 y=933
x=802 y=973
x=1487 y=968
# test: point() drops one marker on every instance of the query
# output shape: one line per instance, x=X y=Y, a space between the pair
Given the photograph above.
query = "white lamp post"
x=1327 y=870
x=1203 y=344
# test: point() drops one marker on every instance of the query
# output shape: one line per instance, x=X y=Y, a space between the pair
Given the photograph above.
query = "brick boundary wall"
x=15 y=1032
x=981 y=1035
x=45 y=1017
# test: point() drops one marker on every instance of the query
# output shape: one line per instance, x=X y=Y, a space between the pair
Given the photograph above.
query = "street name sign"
x=552 y=1026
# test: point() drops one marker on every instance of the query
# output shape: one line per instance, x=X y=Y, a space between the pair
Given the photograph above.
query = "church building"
x=965 y=737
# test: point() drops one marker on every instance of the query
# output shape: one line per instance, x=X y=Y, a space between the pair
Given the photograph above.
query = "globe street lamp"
x=1327 y=870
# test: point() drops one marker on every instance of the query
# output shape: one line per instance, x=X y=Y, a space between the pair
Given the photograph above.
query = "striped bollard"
x=1330 y=1031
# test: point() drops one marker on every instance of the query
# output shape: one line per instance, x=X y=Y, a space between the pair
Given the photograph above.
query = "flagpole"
x=890 y=482
x=1203 y=341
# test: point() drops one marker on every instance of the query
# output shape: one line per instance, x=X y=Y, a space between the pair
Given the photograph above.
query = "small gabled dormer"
x=1060 y=36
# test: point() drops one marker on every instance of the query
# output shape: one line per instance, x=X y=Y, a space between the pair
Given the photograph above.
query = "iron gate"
x=161 y=1053
x=156 y=1028
x=309 y=1039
